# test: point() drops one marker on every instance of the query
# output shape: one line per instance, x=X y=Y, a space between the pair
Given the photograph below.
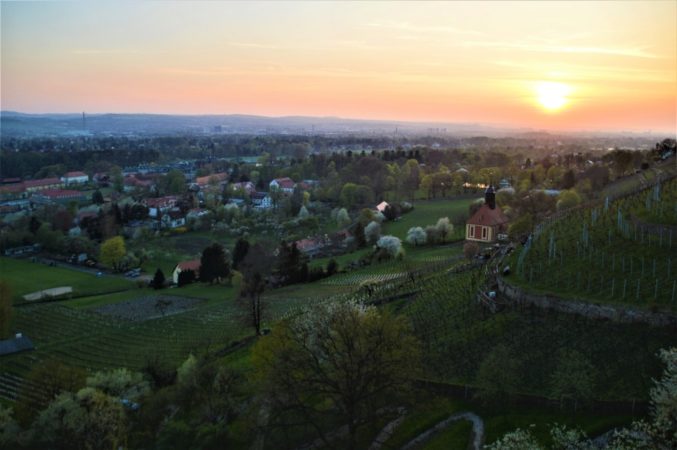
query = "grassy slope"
x=25 y=277
x=426 y=213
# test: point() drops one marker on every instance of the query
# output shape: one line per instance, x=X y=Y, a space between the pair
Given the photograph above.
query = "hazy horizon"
x=556 y=66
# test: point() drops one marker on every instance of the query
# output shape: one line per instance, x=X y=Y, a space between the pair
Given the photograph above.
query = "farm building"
x=75 y=178
x=193 y=265
x=489 y=223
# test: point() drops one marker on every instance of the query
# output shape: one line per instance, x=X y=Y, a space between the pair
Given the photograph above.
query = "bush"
x=332 y=267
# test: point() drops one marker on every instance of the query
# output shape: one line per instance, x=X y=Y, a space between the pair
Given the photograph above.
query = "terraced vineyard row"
x=605 y=254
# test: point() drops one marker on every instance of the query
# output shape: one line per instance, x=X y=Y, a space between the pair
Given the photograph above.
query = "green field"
x=25 y=277
x=427 y=212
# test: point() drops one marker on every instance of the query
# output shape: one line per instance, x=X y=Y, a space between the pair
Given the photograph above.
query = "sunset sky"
x=563 y=66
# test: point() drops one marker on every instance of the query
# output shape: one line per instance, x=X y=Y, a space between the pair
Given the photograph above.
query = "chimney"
x=490 y=197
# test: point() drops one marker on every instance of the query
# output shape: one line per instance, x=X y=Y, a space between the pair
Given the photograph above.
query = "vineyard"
x=622 y=251
x=457 y=335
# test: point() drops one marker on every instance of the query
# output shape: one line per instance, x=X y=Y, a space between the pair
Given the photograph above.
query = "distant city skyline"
x=565 y=66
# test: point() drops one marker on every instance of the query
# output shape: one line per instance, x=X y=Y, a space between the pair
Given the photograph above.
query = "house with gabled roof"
x=285 y=184
x=488 y=224
x=193 y=265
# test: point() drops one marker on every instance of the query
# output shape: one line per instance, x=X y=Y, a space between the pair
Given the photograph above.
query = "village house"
x=261 y=200
x=246 y=187
x=172 y=219
x=196 y=213
x=159 y=205
x=213 y=179
x=78 y=177
x=489 y=223
x=42 y=184
x=193 y=265
x=58 y=196
x=13 y=191
x=283 y=184
x=132 y=182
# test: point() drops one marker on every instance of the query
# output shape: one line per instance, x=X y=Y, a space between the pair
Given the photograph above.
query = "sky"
x=543 y=65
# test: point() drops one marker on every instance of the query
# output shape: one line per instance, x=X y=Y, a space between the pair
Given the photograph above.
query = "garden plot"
x=150 y=307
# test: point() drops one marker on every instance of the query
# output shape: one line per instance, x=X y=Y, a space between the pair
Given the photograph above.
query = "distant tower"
x=490 y=197
x=84 y=122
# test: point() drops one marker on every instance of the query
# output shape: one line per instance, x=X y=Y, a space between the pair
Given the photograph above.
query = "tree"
x=214 y=264
x=112 y=252
x=254 y=268
x=332 y=267
x=5 y=310
x=569 y=179
x=444 y=228
x=85 y=420
x=342 y=217
x=574 y=378
x=392 y=245
x=240 y=251
x=336 y=360
x=97 y=197
x=173 y=183
x=159 y=279
x=186 y=277
x=498 y=375
x=568 y=199
x=416 y=236
x=372 y=232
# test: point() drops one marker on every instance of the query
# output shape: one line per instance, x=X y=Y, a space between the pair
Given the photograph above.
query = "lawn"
x=25 y=277
x=427 y=212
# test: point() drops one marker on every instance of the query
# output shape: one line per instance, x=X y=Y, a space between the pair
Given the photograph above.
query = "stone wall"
x=616 y=313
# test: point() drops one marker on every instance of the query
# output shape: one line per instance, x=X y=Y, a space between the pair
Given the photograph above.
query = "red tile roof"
x=41 y=182
x=13 y=188
x=193 y=265
x=218 y=177
x=488 y=217
x=60 y=193
x=75 y=174
x=285 y=183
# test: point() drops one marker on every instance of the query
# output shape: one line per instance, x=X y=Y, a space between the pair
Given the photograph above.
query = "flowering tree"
x=416 y=236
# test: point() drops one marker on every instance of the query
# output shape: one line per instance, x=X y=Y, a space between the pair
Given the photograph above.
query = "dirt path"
x=477 y=431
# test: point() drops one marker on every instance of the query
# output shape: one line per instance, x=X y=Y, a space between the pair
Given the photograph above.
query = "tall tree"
x=214 y=264
x=5 y=310
x=340 y=361
x=112 y=252
x=240 y=251
x=255 y=269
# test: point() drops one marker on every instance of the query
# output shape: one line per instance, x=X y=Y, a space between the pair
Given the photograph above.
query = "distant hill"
x=20 y=124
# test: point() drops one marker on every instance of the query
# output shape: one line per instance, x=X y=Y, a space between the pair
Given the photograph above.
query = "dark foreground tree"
x=5 y=310
x=186 y=277
x=336 y=361
x=159 y=279
x=214 y=264
x=255 y=268
x=239 y=252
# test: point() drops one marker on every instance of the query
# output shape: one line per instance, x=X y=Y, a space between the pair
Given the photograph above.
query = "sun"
x=551 y=95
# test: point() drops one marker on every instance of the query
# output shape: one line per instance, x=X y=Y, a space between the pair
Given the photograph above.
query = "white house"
x=75 y=178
